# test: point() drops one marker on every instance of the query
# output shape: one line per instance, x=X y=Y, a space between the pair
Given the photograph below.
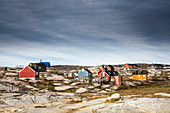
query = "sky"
x=84 y=32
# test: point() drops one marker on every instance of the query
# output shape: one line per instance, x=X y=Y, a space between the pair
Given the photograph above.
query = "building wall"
x=27 y=72
x=117 y=80
x=142 y=76
x=104 y=74
x=83 y=73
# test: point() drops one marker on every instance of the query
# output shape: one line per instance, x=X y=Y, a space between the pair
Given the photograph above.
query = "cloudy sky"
x=84 y=32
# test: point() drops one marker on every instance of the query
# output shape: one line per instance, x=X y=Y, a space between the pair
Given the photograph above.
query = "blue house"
x=85 y=75
x=47 y=64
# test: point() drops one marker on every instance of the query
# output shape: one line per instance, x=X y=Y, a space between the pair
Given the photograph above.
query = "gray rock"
x=106 y=86
x=139 y=105
x=108 y=90
x=81 y=90
x=93 y=91
x=67 y=81
x=103 y=91
x=76 y=83
x=116 y=96
x=163 y=94
x=90 y=87
x=127 y=83
x=64 y=88
x=57 y=84
x=115 y=87
x=65 y=94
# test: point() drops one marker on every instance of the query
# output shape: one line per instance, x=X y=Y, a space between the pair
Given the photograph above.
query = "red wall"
x=27 y=72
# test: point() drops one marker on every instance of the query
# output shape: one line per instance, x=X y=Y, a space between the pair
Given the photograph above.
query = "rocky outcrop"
x=64 y=88
x=81 y=90
x=138 y=105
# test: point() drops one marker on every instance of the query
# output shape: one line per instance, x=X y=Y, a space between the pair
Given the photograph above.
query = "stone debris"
x=64 y=88
x=75 y=83
x=103 y=91
x=106 y=86
x=81 y=90
x=163 y=94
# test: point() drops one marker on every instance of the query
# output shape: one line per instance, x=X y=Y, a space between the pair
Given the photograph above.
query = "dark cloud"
x=124 y=27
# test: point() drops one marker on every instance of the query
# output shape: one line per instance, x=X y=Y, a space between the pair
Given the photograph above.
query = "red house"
x=29 y=73
x=107 y=74
x=130 y=66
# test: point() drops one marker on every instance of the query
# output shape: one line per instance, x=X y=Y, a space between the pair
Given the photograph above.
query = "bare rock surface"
x=163 y=94
x=75 y=83
x=138 y=105
x=81 y=90
x=83 y=104
x=63 y=88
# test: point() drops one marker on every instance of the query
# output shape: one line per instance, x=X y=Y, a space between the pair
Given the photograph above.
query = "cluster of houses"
x=106 y=74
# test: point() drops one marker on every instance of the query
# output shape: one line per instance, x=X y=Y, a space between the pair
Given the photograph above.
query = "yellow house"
x=140 y=75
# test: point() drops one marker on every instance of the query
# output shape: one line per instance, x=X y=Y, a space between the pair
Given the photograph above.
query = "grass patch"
x=149 y=96
x=146 y=88
x=74 y=102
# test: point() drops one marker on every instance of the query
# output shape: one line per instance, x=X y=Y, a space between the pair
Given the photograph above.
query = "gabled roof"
x=139 y=72
x=111 y=73
x=39 y=67
x=46 y=63
x=29 y=67
x=88 y=70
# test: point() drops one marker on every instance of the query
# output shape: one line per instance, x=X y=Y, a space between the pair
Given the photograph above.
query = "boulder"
x=90 y=87
x=63 y=88
x=93 y=91
x=127 y=83
x=137 y=83
x=116 y=96
x=97 y=89
x=65 y=94
x=115 y=87
x=106 y=86
x=81 y=90
x=96 y=85
x=56 y=77
x=75 y=83
x=108 y=90
x=163 y=94
x=67 y=81
x=57 y=84
x=103 y=91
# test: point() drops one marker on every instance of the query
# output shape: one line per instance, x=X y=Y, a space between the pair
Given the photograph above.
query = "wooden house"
x=85 y=75
x=32 y=71
x=140 y=75
x=107 y=75
x=130 y=66
x=28 y=73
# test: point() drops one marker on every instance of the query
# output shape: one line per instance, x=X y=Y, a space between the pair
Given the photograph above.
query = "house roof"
x=88 y=70
x=140 y=72
x=38 y=67
x=111 y=73
x=46 y=63
x=29 y=67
